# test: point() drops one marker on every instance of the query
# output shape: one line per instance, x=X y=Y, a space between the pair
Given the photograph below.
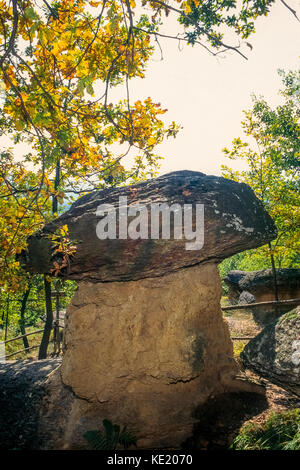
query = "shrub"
x=281 y=431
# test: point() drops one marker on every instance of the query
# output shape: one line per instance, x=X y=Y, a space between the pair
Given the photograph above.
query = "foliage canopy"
x=59 y=61
x=273 y=169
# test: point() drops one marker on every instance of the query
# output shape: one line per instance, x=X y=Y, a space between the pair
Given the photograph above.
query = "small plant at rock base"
x=281 y=431
x=110 y=438
x=238 y=347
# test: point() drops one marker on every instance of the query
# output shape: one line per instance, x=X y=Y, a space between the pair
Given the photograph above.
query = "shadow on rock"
x=221 y=417
x=21 y=393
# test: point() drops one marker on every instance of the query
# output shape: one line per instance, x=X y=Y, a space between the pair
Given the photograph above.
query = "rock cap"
x=234 y=220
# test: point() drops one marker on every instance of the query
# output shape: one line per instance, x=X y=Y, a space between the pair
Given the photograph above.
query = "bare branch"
x=155 y=33
x=13 y=35
x=220 y=43
x=48 y=6
x=290 y=9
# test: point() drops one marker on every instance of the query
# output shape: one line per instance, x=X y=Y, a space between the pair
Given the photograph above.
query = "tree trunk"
x=49 y=320
x=56 y=185
x=22 y=318
x=49 y=312
x=274 y=272
x=6 y=319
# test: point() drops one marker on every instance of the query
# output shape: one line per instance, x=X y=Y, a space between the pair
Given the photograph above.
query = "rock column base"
x=145 y=354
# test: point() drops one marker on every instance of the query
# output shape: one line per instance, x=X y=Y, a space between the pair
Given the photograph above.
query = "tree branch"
x=290 y=9
x=155 y=33
x=165 y=5
x=13 y=35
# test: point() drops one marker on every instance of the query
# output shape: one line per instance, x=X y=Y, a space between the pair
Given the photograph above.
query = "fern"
x=110 y=438
x=281 y=431
x=126 y=438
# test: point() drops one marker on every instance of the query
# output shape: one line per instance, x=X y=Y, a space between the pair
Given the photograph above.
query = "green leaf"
x=31 y=14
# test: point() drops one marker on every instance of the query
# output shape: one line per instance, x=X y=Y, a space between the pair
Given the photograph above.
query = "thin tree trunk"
x=22 y=318
x=274 y=273
x=47 y=284
x=56 y=323
x=6 y=320
x=49 y=320
x=56 y=185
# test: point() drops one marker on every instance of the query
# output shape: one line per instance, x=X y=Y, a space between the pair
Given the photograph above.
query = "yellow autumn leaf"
x=151 y=141
x=19 y=125
x=64 y=230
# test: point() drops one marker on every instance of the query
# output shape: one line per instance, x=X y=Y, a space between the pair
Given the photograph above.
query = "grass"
x=281 y=431
x=238 y=347
x=289 y=316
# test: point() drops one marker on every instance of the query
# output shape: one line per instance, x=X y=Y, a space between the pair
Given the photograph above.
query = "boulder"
x=275 y=352
x=259 y=282
x=23 y=396
x=145 y=341
x=22 y=389
x=246 y=298
x=260 y=285
x=234 y=220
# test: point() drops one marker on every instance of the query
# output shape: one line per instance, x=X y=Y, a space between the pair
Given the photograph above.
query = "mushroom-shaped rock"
x=229 y=219
x=147 y=351
x=275 y=352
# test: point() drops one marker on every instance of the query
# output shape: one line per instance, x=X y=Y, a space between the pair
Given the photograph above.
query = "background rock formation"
x=275 y=352
x=258 y=286
x=148 y=346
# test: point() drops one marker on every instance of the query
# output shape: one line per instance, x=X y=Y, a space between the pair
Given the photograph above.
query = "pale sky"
x=206 y=95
